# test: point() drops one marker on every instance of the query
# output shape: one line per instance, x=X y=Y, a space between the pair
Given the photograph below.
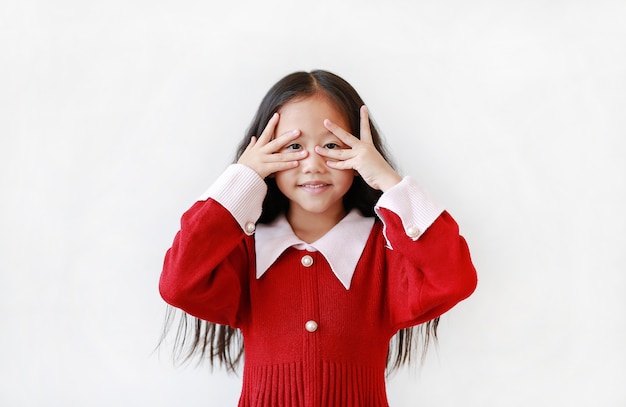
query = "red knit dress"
x=308 y=341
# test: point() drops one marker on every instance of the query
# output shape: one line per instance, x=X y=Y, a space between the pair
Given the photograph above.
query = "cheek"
x=345 y=177
x=282 y=179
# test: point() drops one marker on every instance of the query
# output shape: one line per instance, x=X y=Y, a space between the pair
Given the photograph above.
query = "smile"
x=313 y=186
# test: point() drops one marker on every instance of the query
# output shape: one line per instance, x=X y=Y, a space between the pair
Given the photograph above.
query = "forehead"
x=309 y=114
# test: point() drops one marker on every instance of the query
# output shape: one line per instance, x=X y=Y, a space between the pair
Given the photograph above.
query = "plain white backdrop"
x=115 y=116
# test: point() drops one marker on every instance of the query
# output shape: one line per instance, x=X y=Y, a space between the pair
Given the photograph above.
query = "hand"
x=362 y=155
x=263 y=155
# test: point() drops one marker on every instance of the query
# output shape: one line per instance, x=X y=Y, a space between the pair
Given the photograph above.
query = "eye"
x=332 y=146
x=293 y=146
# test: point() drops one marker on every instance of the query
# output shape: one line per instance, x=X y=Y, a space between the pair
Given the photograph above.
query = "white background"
x=116 y=115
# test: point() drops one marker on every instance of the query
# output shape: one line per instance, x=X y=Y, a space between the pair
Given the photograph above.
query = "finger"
x=281 y=166
x=251 y=144
x=336 y=154
x=340 y=165
x=366 y=130
x=286 y=156
x=281 y=141
x=343 y=135
x=268 y=131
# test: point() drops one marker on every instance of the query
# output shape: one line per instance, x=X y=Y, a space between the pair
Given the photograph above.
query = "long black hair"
x=223 y=344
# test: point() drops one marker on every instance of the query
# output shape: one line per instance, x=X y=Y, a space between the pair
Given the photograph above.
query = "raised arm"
x=204 y=272
x=428 y=275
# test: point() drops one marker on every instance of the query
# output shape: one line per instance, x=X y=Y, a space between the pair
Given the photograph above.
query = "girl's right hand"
x=264 y=154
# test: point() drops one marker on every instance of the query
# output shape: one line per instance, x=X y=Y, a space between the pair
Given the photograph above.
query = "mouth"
x=313 y=185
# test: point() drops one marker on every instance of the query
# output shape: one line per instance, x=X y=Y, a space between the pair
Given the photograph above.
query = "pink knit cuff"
x=412 y=203
x=241 y=191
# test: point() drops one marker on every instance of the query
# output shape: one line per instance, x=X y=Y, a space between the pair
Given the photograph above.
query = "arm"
x=429 y=266
x=428 y=262
x=205 y=271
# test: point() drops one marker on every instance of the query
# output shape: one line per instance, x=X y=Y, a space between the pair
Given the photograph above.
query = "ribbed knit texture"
x=342 y=363
x=210 y=273
x=244 y=203
x=340 y=385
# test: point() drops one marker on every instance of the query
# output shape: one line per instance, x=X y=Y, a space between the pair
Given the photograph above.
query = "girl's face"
x=313 y=188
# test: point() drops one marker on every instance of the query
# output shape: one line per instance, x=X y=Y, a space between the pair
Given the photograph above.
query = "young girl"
x=315 y=251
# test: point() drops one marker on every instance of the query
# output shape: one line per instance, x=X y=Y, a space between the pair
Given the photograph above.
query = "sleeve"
x=205 y=271
x=244 y=201
x=412 y=203
x=429 y=264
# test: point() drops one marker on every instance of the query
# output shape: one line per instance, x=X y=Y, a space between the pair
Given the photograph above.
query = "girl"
x=313 y=252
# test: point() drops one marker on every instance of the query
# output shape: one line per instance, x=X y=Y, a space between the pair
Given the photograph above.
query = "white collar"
x=341 y=246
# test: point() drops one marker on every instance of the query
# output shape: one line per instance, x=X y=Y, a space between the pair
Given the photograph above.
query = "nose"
x=313 y=163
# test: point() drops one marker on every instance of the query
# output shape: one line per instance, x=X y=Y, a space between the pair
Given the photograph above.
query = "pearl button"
x=307 y=261
x=250 y=227
x=311 y=326
x=412 y=231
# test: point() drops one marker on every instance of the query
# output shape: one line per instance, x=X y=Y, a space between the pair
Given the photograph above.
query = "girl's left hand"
x=362 y=155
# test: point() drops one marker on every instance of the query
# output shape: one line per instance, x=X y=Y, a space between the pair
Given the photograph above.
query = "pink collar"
x=341 y=246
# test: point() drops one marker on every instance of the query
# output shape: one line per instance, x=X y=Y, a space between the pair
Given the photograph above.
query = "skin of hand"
x=362 y=155
x=264 y=155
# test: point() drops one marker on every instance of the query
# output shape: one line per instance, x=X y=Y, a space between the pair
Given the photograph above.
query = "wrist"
x=389 y=181
x=251 y=167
